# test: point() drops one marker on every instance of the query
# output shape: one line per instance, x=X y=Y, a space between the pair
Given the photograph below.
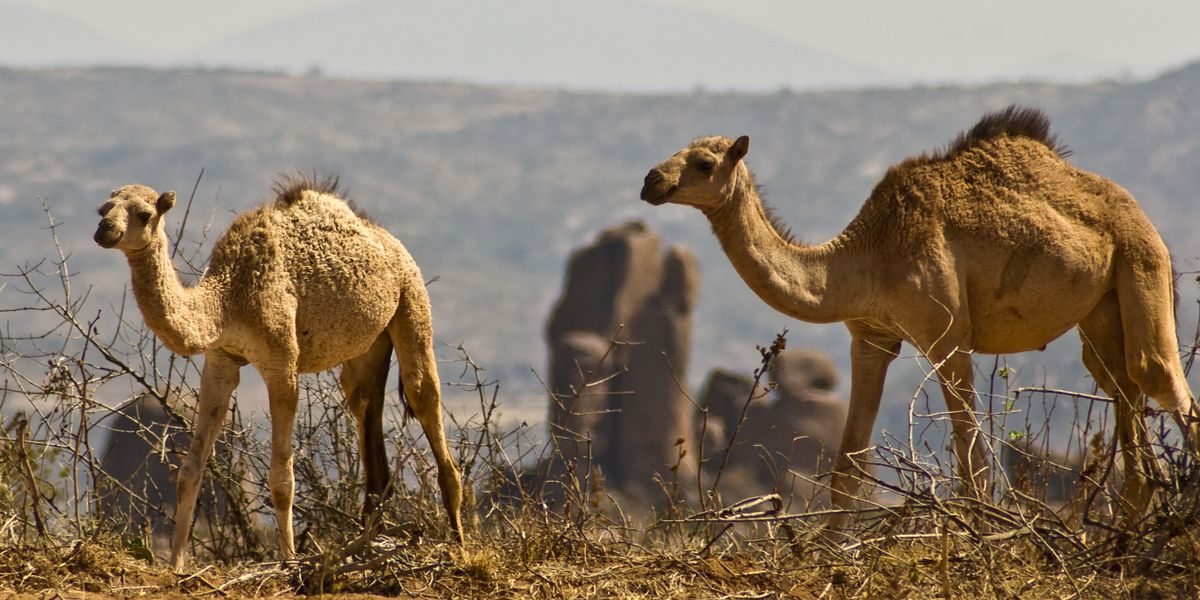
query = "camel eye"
x=144 y=216
x=706 y=164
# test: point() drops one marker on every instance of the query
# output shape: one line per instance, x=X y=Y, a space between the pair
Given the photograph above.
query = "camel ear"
x=740 y=148
x=165 y=202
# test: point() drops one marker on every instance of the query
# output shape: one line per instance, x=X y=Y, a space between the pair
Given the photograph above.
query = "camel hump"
x=1013 y=121
x=289 y=189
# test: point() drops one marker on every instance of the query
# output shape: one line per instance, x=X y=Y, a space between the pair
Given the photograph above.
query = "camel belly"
x=340 y=314
x=1018 y=336
x=1022 y=298
x=326 y=342
x=322 y=343
x=1019 y=324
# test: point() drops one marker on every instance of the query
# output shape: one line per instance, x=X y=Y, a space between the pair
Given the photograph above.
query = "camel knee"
x=281 y=493
x=423 y=393
x=449 y=477
x=1151 y=374
x=451 y=484
x=187 y=480
x=281 y=481
x=1161 y=378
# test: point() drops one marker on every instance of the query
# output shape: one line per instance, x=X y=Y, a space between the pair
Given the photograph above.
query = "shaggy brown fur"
x=298 y=286
x=995 y=245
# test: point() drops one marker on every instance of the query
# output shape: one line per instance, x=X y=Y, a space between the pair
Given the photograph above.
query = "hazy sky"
x=150 y=24
x=925 y=40
x=957 y=39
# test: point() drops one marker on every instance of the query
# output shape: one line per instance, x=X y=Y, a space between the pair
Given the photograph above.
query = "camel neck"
x=817 y=284
x=186 y=319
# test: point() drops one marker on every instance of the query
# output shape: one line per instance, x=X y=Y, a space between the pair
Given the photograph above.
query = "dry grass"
x=536 y=565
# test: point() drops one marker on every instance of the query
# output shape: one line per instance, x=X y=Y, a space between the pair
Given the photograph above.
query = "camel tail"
x=408 y=409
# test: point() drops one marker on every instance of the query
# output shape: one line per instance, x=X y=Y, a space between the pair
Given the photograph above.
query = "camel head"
x=703 y=175
x=132 y=217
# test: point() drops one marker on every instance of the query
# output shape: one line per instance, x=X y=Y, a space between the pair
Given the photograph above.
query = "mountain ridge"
x=492 y=187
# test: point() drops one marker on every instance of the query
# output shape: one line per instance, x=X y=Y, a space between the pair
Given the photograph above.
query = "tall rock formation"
x=618 y=342
x=784 y=436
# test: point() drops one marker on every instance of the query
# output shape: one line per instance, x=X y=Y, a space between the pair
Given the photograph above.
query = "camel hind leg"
x=411 y=332
x=364 y=383
x=1147 y=314
x=1104 y=355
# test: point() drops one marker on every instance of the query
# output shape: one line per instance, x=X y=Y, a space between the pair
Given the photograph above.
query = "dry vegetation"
x=65 y=360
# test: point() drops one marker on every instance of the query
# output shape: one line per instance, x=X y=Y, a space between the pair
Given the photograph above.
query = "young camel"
x=995 y=245
x=296 y=287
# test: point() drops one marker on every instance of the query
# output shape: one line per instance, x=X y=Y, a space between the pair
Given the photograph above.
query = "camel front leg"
x=956 y=374
x=869 y=360
x=217 y=382
x=283 y=393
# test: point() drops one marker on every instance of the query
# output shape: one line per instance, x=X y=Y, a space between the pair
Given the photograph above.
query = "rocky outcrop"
x=656 y=418
x=620 y=419
x=619 y=341
x=1040 y=473
x=579 y=421
x=136 y=487
x=136 y=481
x=784 y=436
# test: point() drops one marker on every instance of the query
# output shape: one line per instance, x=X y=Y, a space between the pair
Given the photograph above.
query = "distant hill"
x=621 y=44
x=492 y=187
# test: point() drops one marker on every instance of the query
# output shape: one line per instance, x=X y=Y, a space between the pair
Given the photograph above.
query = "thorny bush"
x=76 y=363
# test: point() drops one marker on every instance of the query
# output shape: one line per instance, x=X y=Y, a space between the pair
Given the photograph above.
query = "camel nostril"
x=654 y=177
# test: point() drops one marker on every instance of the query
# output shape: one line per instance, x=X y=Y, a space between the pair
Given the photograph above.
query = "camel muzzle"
x=107 y=234
x=650 y=188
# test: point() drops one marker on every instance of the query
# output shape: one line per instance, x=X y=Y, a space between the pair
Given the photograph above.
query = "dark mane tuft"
x=777 y=223
x=289 y=188
x=1014 y=121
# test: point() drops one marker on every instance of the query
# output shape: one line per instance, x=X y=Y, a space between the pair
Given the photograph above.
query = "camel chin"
x=106 y=240
x=658 y=199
